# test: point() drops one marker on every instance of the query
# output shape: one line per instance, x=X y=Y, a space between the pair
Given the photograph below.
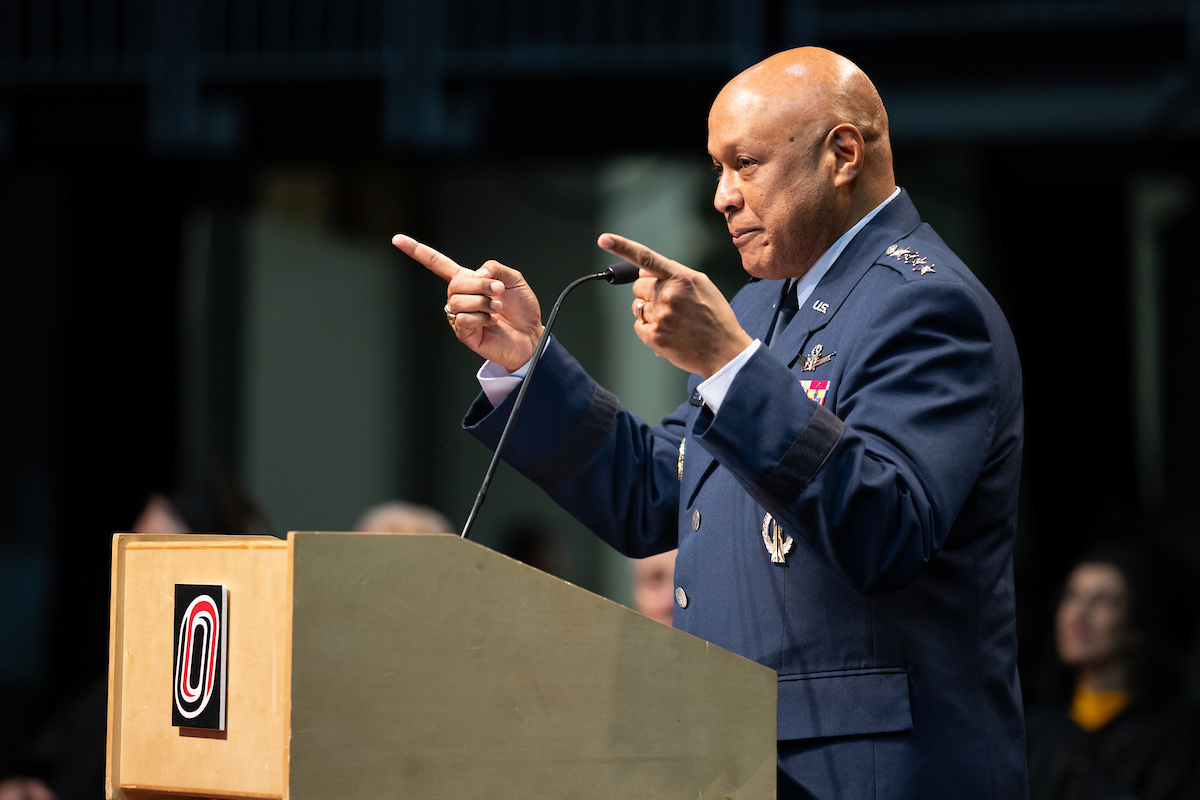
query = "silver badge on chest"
x=815 y=358
x=778 y=543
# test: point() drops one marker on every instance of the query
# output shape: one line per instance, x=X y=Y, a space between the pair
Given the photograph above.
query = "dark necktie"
x=787 y=310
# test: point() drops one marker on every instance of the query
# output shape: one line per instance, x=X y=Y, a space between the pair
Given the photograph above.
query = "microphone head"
x=622 y=272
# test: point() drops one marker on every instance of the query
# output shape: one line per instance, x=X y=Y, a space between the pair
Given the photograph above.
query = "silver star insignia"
x=911 y=257
x=778 y=543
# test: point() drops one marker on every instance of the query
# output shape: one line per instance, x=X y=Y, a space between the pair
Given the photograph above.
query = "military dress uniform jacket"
x=882 y=433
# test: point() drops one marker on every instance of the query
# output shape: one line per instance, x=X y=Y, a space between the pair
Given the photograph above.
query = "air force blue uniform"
x=892 y=464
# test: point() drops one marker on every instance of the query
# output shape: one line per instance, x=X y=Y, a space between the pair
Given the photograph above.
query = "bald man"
x=842 y=482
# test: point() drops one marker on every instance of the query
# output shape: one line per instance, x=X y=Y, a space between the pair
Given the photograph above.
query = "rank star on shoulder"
x=910 y=257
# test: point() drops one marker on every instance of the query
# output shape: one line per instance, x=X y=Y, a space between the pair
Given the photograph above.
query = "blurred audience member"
x=65 y=757
x=24 y=789
x=1117 y=723
x=397 y=516
x=217 y=503
x=654 y=586
x=158 y=516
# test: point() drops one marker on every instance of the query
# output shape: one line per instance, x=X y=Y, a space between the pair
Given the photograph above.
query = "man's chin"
x=766 y=269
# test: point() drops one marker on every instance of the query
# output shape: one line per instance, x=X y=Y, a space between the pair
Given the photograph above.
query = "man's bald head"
x=819 y=89
x=801 y=143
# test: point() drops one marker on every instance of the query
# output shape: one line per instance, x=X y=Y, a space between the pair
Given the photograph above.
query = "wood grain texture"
x=146 y=755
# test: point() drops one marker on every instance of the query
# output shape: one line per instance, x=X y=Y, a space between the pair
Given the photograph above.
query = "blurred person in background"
x=216 y=503
x=1116 y=724
x=654 y=586
x=398 y=516
x=66 y=755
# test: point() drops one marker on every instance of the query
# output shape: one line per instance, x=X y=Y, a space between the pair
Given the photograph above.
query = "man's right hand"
x=681 y=314
x=496 y=314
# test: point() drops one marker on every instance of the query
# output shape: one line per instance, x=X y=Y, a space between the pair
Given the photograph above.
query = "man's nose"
x=727 y=197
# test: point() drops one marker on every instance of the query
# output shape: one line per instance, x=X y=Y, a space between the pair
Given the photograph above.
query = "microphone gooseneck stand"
x=615 y=274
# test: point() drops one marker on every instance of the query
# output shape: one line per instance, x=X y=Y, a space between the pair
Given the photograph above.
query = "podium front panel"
x=147 y=754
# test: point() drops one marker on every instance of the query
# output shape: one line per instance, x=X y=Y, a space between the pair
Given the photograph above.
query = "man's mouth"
x=743 y=235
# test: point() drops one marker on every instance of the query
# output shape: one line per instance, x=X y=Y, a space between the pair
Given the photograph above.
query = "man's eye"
x=743 y=163
x=716 y=168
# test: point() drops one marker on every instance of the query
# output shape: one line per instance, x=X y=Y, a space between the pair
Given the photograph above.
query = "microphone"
x=614 y=274
x=617 y=274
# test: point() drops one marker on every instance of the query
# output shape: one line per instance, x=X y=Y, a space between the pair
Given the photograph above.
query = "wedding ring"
x=450 y=315
x=640 y=312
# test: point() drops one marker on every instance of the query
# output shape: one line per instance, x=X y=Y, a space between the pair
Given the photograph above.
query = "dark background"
x=1046 y=121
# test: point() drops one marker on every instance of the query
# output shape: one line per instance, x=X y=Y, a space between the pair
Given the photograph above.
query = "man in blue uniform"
x=842 y=482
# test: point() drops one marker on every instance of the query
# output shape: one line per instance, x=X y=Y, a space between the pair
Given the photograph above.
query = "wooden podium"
x=366 y=666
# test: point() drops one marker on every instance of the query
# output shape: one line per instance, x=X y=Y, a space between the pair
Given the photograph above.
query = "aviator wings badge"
x=778 y=543
x=814 y=359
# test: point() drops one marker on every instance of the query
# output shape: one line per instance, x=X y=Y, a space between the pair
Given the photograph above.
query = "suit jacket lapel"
x=756 y=306
x=895 y=221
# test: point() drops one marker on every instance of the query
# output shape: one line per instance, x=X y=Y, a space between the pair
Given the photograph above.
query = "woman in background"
x=1120 y=727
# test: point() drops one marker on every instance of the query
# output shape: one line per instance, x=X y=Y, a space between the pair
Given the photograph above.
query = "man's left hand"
x=680 y=313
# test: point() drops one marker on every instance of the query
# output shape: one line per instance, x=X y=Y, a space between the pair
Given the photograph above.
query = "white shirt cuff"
x=714 y=389
x=497 y=382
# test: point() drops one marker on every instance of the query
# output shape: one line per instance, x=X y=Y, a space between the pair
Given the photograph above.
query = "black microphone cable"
x=615 y=274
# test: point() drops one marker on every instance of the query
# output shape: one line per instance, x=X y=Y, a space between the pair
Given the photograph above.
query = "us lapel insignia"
x=682 y=448
x=778 y=543
x=814 y=359
x=914 y=259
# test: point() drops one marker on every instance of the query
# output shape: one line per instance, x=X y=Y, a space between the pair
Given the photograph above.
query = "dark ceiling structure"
x=226 y=78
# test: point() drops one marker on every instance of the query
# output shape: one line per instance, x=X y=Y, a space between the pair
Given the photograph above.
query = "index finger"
x=639 y=255
x=441 y=265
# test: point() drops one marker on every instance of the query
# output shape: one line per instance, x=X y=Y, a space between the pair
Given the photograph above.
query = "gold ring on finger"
x=450 y=315
x=640 y=311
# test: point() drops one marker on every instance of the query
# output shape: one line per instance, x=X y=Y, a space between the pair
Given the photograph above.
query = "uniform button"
x=681 y=597
x=695 y=519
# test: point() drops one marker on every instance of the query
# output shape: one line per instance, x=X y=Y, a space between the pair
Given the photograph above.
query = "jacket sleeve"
x=604 y=465
x=875 y=488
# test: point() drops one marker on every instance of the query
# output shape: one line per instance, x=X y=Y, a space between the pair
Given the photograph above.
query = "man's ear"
x=849 y=152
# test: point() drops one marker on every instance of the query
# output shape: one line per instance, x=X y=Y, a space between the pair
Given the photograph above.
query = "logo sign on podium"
x=201 y=627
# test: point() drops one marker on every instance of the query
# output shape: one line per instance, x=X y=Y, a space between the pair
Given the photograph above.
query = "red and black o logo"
x=199 y=674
